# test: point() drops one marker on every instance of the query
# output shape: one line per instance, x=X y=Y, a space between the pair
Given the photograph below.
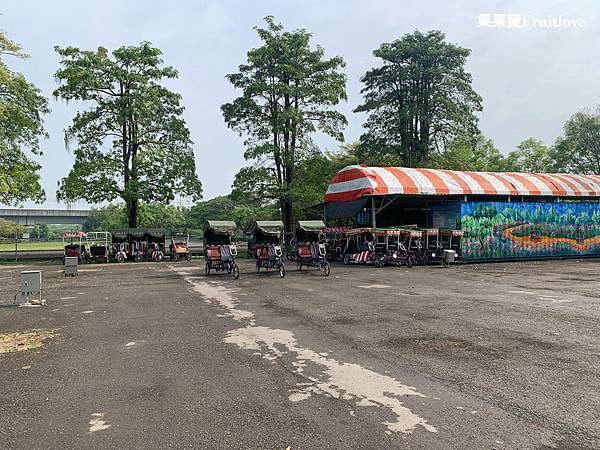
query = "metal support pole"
x=373 y=213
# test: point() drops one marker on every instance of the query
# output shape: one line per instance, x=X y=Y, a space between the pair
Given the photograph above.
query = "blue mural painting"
x=502 y=230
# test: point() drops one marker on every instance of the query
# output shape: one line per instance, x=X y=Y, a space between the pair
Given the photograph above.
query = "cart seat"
x=98 y=250
x=304 y=251
x=213 y=253
x=181 y=247
x=261 y=251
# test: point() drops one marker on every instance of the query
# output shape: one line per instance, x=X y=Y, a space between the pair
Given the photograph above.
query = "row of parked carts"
x=313 y=246
x=135 y=244
x=266 y=247
x=401 y=246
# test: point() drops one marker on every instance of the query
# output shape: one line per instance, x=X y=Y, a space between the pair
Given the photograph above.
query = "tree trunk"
x=132 y=212
x=287 y=216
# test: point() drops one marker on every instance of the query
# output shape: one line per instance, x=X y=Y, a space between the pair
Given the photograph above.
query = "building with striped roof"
x=502 y=214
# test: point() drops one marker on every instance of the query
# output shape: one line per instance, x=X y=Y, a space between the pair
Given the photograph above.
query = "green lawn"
x=10 y=247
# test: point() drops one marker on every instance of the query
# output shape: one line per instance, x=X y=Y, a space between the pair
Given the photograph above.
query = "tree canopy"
x=288 y=92
x=469 y=153
x=131 y=141
x=8 y=229
x=419 y=99
x=22 y=108
x=579 y=149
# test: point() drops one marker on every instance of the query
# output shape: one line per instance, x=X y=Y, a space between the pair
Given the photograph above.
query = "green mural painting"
x=502 y=230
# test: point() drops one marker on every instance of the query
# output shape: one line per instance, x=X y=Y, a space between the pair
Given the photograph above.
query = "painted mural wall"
x=497 y=230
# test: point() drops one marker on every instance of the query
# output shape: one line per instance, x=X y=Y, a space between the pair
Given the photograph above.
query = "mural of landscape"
x=498 y=230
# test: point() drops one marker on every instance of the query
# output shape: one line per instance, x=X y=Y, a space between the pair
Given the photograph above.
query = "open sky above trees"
x=531 y=80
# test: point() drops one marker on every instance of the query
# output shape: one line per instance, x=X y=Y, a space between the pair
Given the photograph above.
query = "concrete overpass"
x=45 y=216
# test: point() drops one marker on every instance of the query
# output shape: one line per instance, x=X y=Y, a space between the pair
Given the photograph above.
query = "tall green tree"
x=531 y=155
x=475 y=153
x=152 y=215
x=131 y=141
x=419 y=99
x=578 y=150
x=22 y=108
x=8 y=229
x=289 y=90
x=314 y=172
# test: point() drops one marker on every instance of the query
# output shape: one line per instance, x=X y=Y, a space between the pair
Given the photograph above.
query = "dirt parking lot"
x=155 y=355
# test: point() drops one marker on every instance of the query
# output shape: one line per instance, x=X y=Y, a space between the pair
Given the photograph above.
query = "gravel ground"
x=159 y=355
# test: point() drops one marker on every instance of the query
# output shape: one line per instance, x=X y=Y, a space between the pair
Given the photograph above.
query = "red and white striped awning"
x=355 y=182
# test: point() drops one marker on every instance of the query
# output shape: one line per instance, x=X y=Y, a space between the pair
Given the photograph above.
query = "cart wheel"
x=207 y=268
x=281 y=270
x=176 y=257
x=409 y=262
x=236 y=271
x=377 y=261
x=298 y=264
x=188 y=257
x=257 y=267
x=120 y=258
x=424 y=260
x=346 y=259
x=326 y=268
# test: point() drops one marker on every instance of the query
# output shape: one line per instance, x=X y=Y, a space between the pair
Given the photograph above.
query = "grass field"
x=10 y=247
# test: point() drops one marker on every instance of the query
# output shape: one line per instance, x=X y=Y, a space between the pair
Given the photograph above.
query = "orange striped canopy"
x=355 y=182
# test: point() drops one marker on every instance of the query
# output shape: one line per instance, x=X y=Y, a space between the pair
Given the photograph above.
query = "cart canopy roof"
x=157 y=233
x=314 y=226
x=221 y=226
x=137 y=232
x=74 y=234
x=270 y=226
x=120 y=234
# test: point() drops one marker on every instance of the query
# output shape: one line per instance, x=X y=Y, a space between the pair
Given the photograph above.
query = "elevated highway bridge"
x=45 y=216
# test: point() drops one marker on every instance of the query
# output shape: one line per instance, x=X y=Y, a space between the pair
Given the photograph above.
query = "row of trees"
x=421 y=112
x=131 y=143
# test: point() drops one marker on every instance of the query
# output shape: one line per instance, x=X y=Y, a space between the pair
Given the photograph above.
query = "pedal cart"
x=335 y=243
x=412 y=242
x=391 y=248
x=451 y=240
x=310 y=248
x=219 y=251
x=267 y=237
x=120 y=245
x=74 y=244
x=431 y=244
x=156 y=244
x=360 y=247
x=137 y=241
x=180 y=246
x=99 y=247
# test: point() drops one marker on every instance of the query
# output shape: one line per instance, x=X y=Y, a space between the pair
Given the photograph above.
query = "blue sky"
x=531 y=79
